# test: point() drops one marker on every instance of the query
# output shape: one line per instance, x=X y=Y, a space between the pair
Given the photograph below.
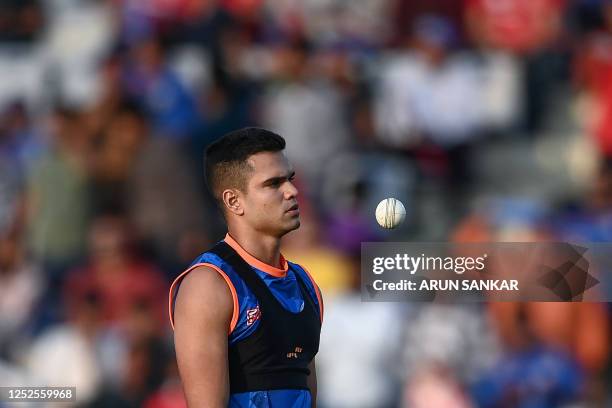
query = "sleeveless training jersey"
x=294 y=290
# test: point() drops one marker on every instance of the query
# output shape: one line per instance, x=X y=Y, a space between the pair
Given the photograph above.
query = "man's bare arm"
x=202 y=315
x=312 y=382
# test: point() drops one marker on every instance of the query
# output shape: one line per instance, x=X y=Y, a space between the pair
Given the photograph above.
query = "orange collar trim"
x=256 y=263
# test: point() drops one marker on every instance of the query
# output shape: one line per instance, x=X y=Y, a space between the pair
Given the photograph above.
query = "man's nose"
x=291 y=191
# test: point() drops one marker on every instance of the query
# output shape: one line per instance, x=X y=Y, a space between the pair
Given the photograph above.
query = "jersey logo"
x=253 y=315
x=295 y=353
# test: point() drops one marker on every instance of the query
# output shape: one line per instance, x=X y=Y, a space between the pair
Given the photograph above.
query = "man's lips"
x=295 y=207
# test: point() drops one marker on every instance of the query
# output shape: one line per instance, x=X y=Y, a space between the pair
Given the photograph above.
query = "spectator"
x=143 y=374
x=70 y=346
x=330 y=23
x=307 y=111
x=116 y=151
x=530 y=374
x=359 y=373
x=165 y=201
x=21 y=287
x=58 y=200
x=147 y=77
x=170 y=394
x=21 y=21
x=593 y=74
x=120 y=278
x=517 y=25
x=446 y=348
x=12 y=185
x=422 y=92
x=532 y=29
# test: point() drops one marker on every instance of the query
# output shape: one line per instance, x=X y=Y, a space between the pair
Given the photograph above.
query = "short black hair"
x=225 y=160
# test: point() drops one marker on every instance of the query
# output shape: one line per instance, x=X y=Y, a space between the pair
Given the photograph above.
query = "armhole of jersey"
x=236 y=308
x=317 y=291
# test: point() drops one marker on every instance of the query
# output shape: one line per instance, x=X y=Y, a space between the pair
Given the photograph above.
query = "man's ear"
x=232 y=201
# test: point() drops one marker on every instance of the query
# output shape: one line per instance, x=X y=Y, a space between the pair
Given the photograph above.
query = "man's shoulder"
x=205 y=284
x=204 y=288
x=202 y=274
x=206 y=274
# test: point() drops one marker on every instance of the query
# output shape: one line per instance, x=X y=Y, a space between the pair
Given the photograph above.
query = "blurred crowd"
x=490 y=119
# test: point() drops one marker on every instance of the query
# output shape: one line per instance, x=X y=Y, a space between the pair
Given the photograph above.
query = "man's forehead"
x=269 y=164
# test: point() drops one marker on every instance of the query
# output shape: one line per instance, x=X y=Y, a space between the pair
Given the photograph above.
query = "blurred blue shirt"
x=537 y=377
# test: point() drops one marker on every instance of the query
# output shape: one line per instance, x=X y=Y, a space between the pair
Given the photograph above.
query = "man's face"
x=270 y=200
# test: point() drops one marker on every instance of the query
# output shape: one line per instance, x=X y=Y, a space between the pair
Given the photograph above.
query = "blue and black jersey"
x=274 y=330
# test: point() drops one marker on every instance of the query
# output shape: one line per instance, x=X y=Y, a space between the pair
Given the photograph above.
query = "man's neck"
x=265 y=248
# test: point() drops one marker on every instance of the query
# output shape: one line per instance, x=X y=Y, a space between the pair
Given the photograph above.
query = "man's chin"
x=293 y=226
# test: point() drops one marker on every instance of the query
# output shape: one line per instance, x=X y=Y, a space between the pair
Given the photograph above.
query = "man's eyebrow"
x=273 y=180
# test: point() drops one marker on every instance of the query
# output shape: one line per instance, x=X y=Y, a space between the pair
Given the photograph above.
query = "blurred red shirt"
x=517 y=25
x=594 y=74
x=131 y=284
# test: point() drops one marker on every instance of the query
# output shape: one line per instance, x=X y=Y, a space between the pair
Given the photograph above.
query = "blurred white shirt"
x=359 y=353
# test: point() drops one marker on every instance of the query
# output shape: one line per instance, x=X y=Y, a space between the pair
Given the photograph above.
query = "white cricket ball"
x=390 y=213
